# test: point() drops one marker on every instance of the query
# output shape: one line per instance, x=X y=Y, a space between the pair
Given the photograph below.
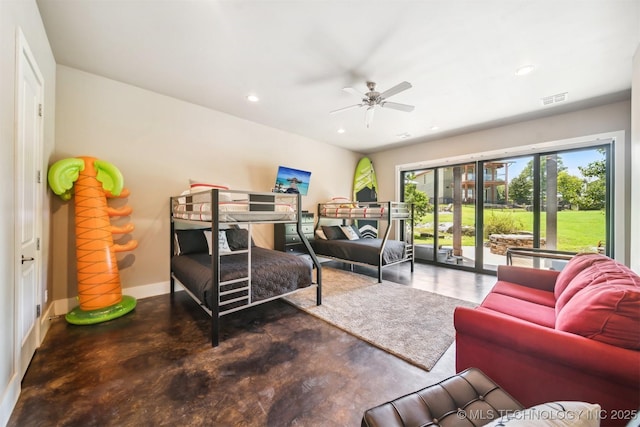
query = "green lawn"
x=577 y=230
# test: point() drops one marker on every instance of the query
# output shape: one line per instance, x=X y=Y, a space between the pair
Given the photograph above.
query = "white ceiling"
x=297 y=55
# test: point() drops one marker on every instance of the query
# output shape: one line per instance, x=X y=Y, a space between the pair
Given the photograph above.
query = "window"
x=553 y=200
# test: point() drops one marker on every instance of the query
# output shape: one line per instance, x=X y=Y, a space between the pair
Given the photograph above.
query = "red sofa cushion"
x=577 y=264
x=537 y=296
x=521 y=309
x=605 y=271
x=607 y=312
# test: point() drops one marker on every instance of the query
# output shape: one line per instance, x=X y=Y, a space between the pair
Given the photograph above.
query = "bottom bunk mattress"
x=273 y=273
x=364 y=251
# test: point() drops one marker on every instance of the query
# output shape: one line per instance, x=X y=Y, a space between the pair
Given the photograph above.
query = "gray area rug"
x=412 y=324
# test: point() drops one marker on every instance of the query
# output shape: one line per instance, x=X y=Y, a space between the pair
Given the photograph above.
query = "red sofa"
x=571 y=335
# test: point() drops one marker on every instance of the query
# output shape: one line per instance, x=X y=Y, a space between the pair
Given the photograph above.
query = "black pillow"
x=191 y=242
x=333 y=232
x=237 y=238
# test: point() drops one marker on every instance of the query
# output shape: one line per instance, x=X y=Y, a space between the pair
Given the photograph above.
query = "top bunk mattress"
x=234 y=206
x=359 y=210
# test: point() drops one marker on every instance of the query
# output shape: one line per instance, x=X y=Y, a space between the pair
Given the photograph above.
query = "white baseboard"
x=63 y=306
x=9 y=399
x=150 y=290
x=45 y=322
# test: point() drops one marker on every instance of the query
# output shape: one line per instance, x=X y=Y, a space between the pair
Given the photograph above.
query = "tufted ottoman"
x=469 y=398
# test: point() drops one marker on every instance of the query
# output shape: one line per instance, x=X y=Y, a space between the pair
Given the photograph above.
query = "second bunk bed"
x=214 y=258
x=343 y=241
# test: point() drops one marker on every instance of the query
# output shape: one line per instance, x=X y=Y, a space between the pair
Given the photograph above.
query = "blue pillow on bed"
x=191 y=242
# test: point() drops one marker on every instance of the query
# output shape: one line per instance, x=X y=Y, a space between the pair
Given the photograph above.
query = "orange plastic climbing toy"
x=99 y=288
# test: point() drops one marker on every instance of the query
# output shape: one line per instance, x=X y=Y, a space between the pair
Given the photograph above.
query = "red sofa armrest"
x=530 y=277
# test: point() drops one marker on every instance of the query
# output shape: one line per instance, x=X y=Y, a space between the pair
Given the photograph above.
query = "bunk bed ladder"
x=218 y=287
x=239 y=294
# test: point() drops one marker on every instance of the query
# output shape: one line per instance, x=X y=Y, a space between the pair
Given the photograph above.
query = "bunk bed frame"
x=387 y=212
x=201 y=210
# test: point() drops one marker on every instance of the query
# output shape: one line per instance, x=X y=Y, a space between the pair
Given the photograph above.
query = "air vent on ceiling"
x=554 y=99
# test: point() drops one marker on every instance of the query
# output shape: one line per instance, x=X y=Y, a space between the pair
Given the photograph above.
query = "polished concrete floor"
x=276 y=366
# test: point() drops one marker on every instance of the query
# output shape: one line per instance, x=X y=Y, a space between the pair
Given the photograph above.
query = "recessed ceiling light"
x=524 y=70
x=253 y=98
x=434 y=128
x=404 y=135
x=341 y=130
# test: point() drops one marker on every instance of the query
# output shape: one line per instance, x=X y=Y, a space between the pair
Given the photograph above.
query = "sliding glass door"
x=468 y=215
x=574 y=201
x=419 y=189
x=508 y=214
x=456 y=214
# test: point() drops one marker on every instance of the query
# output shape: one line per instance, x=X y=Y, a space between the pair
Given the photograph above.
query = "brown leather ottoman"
x=469 y=398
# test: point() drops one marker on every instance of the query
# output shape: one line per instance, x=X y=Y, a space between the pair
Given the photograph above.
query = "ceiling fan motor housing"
x=372 y=97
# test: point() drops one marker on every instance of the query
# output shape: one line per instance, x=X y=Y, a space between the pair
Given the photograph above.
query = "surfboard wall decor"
x=365 y=189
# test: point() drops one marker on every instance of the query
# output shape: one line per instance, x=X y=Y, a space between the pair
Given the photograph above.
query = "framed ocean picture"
x=289 y=180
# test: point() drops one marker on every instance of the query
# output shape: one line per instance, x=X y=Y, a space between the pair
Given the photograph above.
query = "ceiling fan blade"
x=396 y=106
x=368 y=118
x=395 y=90
x=354 y=92
x=339 y=110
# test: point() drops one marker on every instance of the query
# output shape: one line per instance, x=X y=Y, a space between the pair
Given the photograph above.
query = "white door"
x=28 y=202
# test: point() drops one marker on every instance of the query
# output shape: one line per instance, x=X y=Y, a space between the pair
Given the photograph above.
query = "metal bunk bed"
x=221 y=281
x=378 y=252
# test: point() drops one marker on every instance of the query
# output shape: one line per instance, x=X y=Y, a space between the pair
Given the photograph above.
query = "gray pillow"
x=237 y=238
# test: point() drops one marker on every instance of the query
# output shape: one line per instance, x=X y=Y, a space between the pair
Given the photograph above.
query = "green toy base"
x=78 y=316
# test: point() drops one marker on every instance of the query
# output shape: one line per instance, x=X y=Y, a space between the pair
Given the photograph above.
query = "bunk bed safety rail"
x=364 y=210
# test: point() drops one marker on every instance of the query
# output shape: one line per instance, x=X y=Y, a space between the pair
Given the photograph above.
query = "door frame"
x=25 y=58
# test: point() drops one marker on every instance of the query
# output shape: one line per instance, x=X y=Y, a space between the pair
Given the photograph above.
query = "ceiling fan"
x=373 y=99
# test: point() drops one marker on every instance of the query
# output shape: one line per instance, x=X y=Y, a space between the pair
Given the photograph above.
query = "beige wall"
x=21 y=14
x=159 y=143
x=608 y=119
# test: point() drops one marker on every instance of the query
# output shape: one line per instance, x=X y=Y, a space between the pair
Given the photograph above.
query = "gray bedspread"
x=361 y=250
x=273 y=273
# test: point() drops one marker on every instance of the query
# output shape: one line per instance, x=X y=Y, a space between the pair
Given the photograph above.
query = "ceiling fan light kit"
x=373 y=99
